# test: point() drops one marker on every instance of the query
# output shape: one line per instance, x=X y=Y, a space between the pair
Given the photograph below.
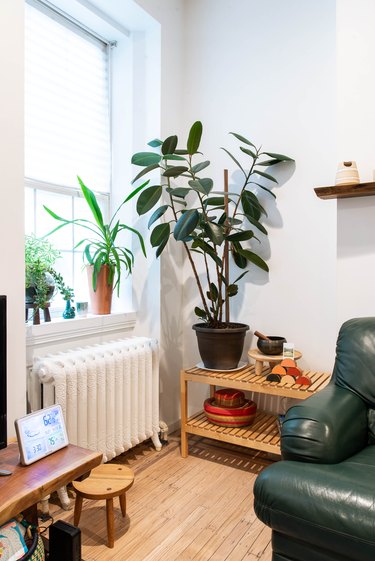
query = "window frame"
x=105 y=198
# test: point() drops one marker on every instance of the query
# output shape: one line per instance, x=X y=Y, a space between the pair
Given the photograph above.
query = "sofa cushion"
x=329 y=505
x=355 y=365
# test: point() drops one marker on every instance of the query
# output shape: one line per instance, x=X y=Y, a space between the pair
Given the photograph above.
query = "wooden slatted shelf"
x=263 y=434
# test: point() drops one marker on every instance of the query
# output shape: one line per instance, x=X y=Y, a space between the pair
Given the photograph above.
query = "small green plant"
x=101 y=247
x=40 y=275
x=66 y=292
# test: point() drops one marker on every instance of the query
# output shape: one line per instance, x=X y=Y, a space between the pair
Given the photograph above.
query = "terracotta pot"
x=221 y=349
x=101 y=299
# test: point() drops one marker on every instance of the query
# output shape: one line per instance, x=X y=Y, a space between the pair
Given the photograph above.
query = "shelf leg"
x=212 y=391
x=184 y=400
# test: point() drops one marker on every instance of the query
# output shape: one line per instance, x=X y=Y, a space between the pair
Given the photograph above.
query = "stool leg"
x=77 y=509
x=258 y=367
x=123 y=503
x=110 y=523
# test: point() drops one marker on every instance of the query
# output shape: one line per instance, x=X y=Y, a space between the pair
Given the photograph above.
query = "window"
x=67 y=129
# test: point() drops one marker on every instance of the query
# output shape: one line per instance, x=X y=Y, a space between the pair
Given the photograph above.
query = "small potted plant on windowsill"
x=41 y=279
x=104 y=256
x=212 y=226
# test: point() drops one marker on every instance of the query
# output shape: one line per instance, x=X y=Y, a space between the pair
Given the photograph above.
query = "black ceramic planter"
x=221 y=349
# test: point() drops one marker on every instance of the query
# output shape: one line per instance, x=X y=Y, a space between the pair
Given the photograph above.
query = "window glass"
x=67 y=133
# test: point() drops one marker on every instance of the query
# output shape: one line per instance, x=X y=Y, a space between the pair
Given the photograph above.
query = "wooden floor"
x=199 y=508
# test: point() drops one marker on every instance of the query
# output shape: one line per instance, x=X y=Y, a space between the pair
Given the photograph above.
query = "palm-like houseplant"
x=211 y=225
x=102 y=252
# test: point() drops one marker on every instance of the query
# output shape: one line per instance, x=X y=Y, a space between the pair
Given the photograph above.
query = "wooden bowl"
x=272 y=347
x=230 y=416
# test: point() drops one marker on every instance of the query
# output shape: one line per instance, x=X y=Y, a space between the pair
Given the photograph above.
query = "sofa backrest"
x=355 y=358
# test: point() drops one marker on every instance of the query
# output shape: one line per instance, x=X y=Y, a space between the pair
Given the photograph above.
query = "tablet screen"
x=41 y=433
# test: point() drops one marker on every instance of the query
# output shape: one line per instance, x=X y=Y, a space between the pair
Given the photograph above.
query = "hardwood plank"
x=198 y=508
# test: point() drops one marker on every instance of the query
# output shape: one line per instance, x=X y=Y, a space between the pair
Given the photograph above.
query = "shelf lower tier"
x=263 y=434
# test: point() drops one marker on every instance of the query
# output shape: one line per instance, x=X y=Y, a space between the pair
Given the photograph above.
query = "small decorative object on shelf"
x=230 y=416
x=272 y=360
x=69 y=312
x=347 y=174
x=229 y=398
x=270 y=344
x=82 y=309
x=288 y=373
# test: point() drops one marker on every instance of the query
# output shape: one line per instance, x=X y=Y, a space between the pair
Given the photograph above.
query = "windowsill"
x=60 y=329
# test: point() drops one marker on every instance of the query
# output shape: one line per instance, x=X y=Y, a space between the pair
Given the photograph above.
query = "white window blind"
x=67 y=102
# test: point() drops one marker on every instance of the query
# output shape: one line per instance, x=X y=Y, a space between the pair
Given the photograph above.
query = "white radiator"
x=109 y=393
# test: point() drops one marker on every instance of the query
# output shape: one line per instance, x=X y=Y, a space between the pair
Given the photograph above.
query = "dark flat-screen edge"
x=3 y=371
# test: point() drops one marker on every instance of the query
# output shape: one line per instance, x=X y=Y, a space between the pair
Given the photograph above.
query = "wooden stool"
x=271 y=359
x=104 y=482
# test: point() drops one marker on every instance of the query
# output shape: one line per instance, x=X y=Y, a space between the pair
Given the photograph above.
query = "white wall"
x=267 y=71
x=11 y=199
x=170 y=14
x=356 y=125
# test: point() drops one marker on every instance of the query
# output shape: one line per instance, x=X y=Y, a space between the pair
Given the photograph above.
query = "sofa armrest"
x=328 y=427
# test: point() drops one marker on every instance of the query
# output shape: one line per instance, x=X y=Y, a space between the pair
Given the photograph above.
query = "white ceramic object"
x=347 y=174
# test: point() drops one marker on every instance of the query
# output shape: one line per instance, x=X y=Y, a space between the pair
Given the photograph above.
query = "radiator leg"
x=44 y=505
x=156 y=441
x=64 y=498
x=163 y=431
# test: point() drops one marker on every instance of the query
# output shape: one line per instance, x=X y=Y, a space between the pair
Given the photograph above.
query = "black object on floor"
x=64 y=542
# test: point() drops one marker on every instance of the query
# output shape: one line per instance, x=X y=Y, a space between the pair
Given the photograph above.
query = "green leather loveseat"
x=320 y=500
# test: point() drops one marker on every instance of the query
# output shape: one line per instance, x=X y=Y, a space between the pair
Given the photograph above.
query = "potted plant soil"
x=213 y=225
x=105 y=258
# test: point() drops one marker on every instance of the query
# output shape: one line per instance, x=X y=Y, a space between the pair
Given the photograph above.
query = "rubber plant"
x=211 y=224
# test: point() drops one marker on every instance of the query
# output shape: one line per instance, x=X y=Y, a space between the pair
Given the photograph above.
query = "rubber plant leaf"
x=248 y=152
x=161 y=247
x=175 y=171
x=215 y=233
x=266 y=175
x=240 y=236
x=145 y=171
x=186 y=224
x=269 y=162
x=155 y=143
x=199 y=167
x=169 y=145
x=200 y=313
x=148 y=198
x=243 y=139
x=179 y=192
x=234 y=159
x=159 y=234
x=194 y=138
x=253 y=258
x=279 y=157
x=145 y=158
x=157 y=214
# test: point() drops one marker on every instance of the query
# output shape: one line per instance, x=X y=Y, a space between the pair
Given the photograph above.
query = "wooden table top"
x=29 y=484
